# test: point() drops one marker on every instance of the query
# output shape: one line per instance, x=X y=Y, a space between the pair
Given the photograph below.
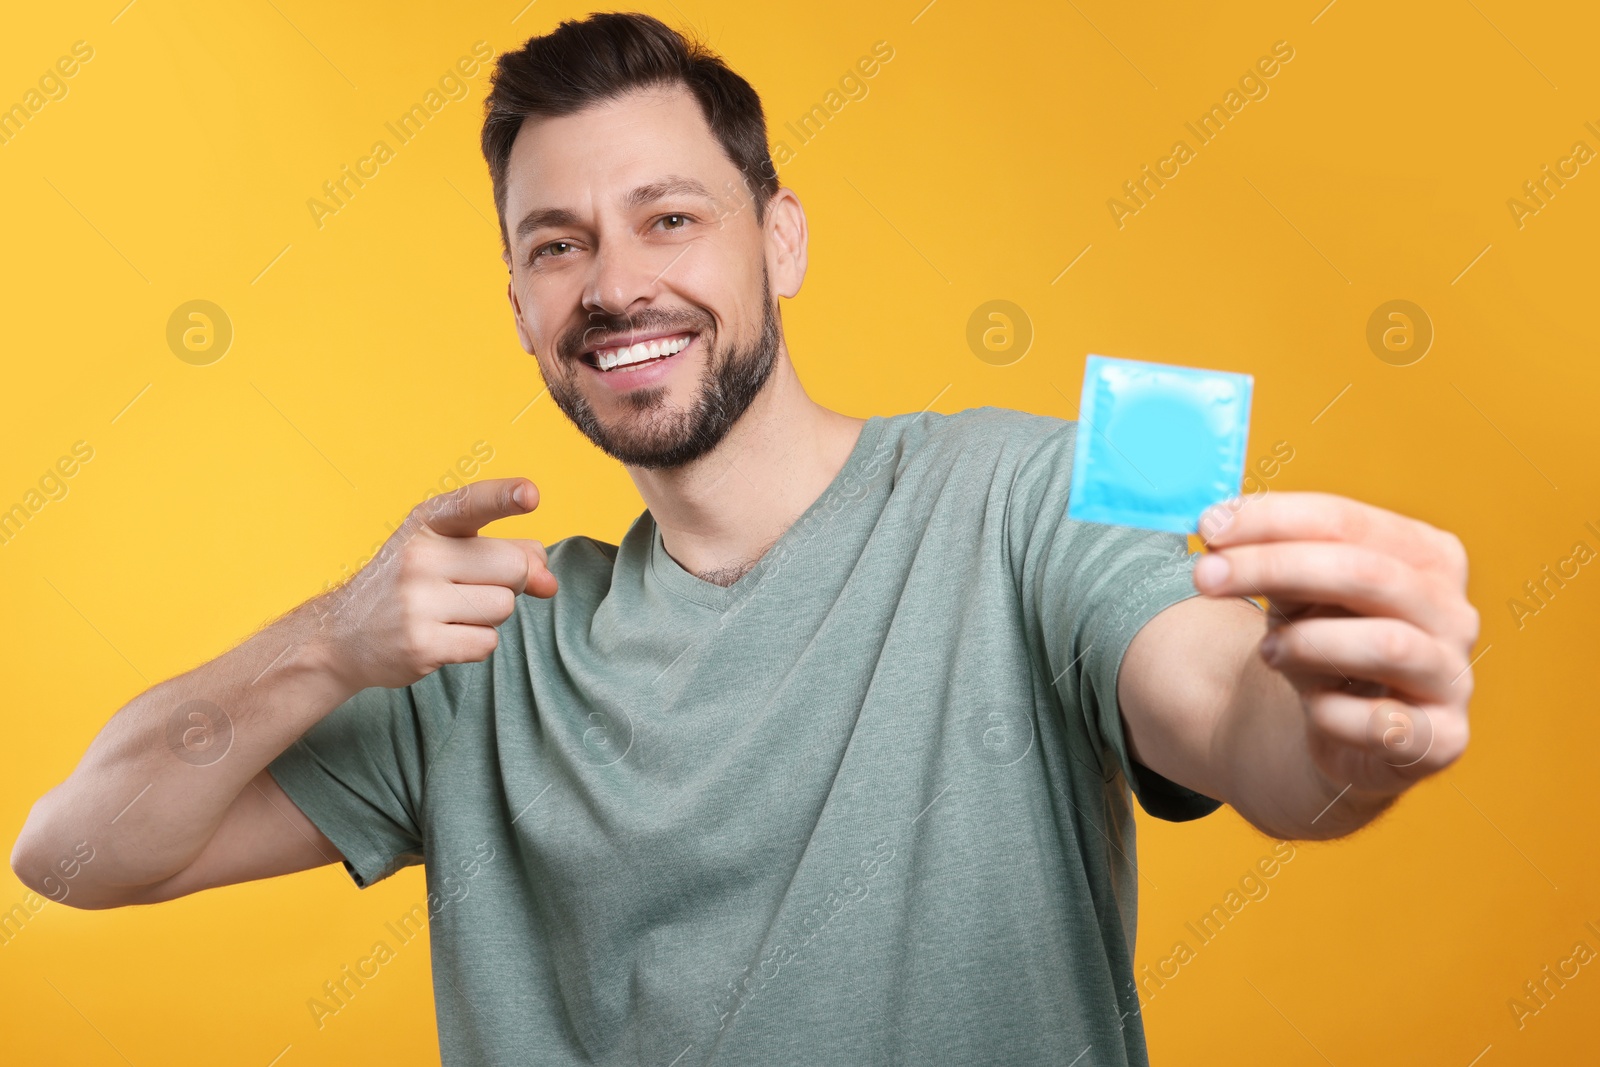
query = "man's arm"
x=173 y=794
x=1368 y=690
x=180 y=763
x=1201 y=707
x=262 y=834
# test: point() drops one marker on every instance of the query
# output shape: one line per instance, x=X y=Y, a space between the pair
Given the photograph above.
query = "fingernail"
x=1269 y=646
x=520 y=494
x=1211 y=570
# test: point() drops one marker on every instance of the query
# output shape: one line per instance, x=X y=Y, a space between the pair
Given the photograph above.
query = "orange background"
x=371 y=353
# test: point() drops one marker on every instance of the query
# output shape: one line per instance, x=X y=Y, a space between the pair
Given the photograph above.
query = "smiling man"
x=832 y=758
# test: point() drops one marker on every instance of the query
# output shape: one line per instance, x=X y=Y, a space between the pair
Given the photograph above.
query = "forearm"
x=156 y=781
x=1262 y=752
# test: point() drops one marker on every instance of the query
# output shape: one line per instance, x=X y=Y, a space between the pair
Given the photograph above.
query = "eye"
x=545 y=250
x=683 y=220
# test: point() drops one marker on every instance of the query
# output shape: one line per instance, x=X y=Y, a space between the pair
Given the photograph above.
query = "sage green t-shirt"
x=869 y=804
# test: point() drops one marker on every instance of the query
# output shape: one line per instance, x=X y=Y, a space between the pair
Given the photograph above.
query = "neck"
x=719 y=514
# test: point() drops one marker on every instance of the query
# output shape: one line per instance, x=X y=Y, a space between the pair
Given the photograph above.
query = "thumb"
x=541 y=582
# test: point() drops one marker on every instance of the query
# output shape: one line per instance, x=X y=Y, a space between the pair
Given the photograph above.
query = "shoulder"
x=585 y=569
x=582 y=560
x=581 y=551
x=998 y=439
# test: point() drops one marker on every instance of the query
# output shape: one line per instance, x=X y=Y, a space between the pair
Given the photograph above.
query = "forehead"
x=594 y=155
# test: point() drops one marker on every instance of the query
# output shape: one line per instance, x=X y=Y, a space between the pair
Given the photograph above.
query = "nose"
x=619 y=279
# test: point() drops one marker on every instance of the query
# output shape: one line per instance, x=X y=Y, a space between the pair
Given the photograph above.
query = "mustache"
x=603 y=327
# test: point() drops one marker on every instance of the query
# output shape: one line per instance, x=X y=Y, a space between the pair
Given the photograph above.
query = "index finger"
x=463 y=512
x=1308 y=516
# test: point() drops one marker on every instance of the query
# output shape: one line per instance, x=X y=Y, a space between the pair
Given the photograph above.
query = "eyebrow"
x=671 y=185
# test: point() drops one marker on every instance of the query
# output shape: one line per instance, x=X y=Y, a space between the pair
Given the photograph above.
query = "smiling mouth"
x=650 y=351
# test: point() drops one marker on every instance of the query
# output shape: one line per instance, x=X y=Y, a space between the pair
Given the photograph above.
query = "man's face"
x=628 y=224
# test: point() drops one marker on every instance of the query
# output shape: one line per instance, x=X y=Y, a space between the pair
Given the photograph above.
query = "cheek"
x=725 y=286
x=544 y=315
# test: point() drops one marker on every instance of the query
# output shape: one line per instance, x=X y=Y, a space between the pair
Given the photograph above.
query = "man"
x=829 y=760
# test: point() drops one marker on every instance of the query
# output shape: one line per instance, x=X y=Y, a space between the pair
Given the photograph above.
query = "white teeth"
x=615 y=357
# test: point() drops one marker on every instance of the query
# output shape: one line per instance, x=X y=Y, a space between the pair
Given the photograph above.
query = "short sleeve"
x=358 y=774
x=1086 y=590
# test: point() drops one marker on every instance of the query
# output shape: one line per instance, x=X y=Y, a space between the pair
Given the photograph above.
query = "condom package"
x=1157 y=444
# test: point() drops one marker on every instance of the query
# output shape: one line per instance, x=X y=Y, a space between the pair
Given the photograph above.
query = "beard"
x=653 y=433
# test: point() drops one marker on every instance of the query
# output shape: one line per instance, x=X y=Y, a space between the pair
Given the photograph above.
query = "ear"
x=516 y=312
x=786 y=242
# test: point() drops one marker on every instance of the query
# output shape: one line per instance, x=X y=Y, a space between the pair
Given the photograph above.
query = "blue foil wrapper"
x=1157 y=443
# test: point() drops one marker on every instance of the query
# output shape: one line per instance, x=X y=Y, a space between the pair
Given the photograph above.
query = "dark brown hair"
x=583 y=63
